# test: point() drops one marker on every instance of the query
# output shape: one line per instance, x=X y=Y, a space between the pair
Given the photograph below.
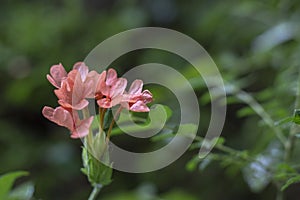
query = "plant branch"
x=247 y=98
x=289 y=145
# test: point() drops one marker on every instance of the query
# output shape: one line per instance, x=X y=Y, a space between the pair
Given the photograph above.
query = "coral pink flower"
x=98 y=82
x=136 y=99
x=76 y=87
x=91 y=79
x=111 y=90
x=57 y=75
x=73 y=91
x=67 y=118
x=106 y=88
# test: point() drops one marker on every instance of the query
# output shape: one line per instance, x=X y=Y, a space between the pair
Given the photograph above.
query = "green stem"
x=86 y=112
x=109 y=130
x=290 y=143
x=247 y=98
x=112 y=123
x=95 y=192
x=260 y=111
x=102 y=112
x=279 y=195
x=89 y=137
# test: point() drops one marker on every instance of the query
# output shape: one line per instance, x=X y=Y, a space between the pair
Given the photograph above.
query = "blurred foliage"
x=22 y=192
x=255 y=44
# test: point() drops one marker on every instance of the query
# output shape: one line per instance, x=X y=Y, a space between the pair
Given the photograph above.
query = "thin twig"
x=257 y=107
x=290 y=143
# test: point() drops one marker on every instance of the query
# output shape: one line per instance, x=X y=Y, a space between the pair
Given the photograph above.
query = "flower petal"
x=95 y=79
x=139 y=106
x=59 y=116
x=57 y=74
x=111 y=77
x=136 y=87
x=82 y=69
x=48 y=112
x=73 y=91
x=63 y=118
x=82 y=129
x=78 y=106
x=147 y=96
x=118 y=87
x=116 y=100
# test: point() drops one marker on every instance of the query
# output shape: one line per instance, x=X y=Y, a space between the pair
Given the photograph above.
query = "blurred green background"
x=256 y=41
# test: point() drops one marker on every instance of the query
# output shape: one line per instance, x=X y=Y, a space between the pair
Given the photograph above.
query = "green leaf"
x=295 y=179
x=7 y=181
x=193 y=163
x=284 y=121
x=245 y=112
x=201 y=162
x=205 y=162
x=284 y=167
x=169 y=111
x=205 y=99
x=196 y=145
x=158 y=118
x=283 y=172
x=296 y=119
x=215 y=141
x=165 y=134
x=232 y=100
x=187 y=130
x=22 y=192
x=219 y=140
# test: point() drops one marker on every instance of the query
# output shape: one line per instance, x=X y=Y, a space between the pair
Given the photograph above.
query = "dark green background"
x=34 y=35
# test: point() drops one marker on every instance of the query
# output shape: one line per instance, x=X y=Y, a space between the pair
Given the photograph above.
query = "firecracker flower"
x=66 y=118
x=74 y=88
x=111 y=90
x=136 y=99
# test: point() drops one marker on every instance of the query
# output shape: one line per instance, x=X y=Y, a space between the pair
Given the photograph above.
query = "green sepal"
x=97 y=172
x=108 y=117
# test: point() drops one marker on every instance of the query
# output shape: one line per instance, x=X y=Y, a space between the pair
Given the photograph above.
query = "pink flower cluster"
x=74 y=88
